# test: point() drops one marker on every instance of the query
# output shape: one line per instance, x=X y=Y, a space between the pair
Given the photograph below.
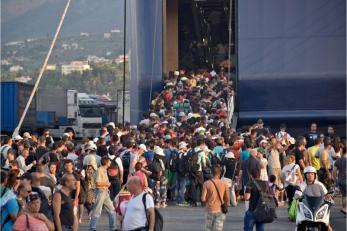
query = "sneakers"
x=183 y=204
x=157 y=205
x=163 y=205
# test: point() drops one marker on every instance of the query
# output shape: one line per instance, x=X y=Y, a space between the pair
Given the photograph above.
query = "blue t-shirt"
x=244 y=155
x=11 y=207
x=149 y=155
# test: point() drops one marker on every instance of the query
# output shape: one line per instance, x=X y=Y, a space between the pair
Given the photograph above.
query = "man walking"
x=64 y=218
x=214 y=194
x=102 y=197
x=135 y=217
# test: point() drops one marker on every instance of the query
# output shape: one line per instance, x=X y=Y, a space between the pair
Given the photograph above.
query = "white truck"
x=83 y=114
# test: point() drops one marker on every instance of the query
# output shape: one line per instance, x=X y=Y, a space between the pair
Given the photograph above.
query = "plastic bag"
x=292 y=210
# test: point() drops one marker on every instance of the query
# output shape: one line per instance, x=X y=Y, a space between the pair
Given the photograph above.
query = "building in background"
x=75 y=66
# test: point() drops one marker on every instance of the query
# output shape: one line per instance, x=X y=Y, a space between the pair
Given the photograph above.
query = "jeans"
x=64 y=228
x=249 y=222
x=102 y=199
x=181 y=185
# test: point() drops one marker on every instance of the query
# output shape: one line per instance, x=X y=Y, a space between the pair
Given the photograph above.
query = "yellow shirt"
x=314 y=160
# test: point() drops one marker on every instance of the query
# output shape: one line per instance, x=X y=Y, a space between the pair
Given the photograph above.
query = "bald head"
x=134 y=185
x=134 y=180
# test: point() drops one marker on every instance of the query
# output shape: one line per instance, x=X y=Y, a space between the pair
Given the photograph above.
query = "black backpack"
x=265 y=211
x=182 y=166
x=173 y=161
x=155 y=167
x=193 y=160
x=159 y=221
x=126 y=158
x=2 y=152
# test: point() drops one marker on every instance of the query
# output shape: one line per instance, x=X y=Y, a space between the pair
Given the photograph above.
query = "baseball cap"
x=143 y=147
x=27 y=135
x=17 y=137
x=182 y=144
x=158 y=150
x=153 y=115
x=181 y=113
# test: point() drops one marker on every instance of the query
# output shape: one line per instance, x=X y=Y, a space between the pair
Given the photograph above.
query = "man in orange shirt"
x=215 y=217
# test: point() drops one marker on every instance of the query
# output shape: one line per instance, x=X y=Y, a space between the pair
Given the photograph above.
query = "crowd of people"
x=183 y=152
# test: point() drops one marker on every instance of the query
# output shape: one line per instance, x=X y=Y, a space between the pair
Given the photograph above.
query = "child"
x=277 y=191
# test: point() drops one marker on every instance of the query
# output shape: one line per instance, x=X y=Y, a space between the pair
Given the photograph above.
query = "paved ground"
x=192 y=219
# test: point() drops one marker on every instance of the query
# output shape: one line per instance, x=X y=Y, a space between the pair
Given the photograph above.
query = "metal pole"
x=230 y=33
x=16 y=131
x=124 y=51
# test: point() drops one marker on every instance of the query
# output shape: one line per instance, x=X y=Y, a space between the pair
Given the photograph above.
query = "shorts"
x=215 y=221
x=342 y=187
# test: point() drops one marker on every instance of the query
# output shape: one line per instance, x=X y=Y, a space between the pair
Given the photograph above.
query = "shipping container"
x=14 y=97
x=52 y=100
x=45 y=118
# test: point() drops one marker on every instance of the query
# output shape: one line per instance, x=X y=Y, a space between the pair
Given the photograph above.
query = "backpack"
x=159 y=221
x=4 y=149
x=113 y=170
x=173 y=161
x=182 y=166
x=156 y=168
x=126 y=158
x=265 y=211
x=193 y=160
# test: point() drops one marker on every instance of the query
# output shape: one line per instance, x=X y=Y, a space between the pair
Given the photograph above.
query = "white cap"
x=200 y=130
x=177 y=73
x=111 y=124
x=184 y=78
x=182 y=144
x=158 y=150
x=190 y=115
x=213 y=73
x=164 y=122
x=143 y=147
x=153 y=115
x=91 y=146
x=230 y=155
x=27 y=135
x=18 y=137
x=181 y=113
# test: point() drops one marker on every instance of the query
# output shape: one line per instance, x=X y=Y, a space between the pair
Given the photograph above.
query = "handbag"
x=224 y=208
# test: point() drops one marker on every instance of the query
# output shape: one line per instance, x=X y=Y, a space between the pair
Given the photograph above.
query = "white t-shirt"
x=135 y=216
x=287 y=170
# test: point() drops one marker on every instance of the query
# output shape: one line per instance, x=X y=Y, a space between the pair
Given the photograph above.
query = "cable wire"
x=16 y=131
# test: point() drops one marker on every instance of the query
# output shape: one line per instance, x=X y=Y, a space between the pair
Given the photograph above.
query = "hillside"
x=21 y=19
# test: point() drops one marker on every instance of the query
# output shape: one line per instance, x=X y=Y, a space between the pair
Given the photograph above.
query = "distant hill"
x=22 y=19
